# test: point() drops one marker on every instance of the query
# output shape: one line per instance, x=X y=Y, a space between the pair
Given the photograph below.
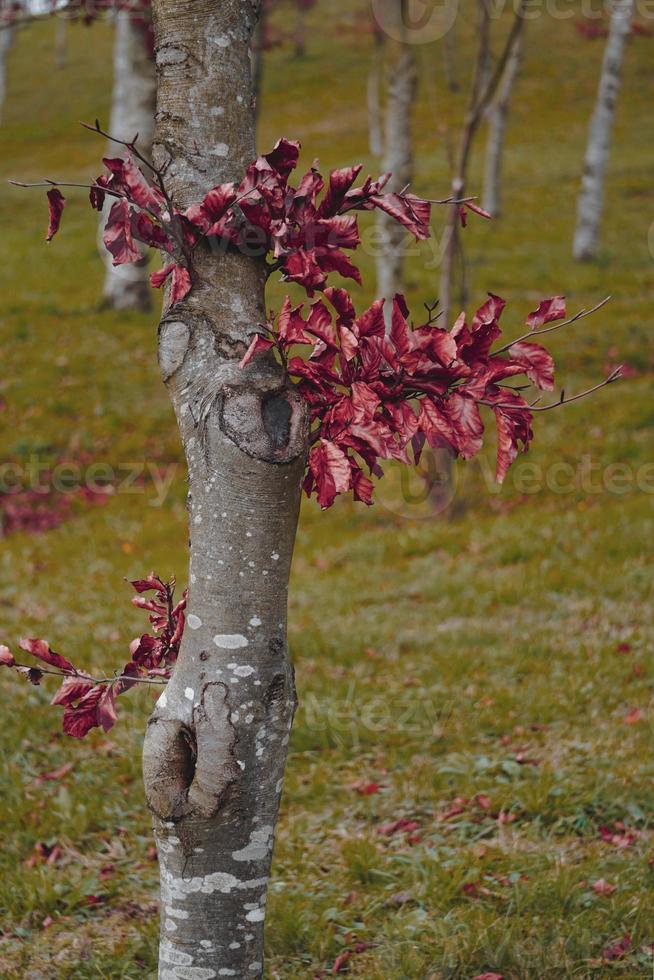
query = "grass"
x=501 y=657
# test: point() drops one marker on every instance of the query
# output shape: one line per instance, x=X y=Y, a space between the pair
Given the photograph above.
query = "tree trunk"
x=300 y=33
x=216 y=745
x=375 y=137
x=497 y=116
x=401 y=86
x=61 y=41
x=132 y=111
x=6 y=41
x=256 y=59
x=450 y=49
x=591 y=198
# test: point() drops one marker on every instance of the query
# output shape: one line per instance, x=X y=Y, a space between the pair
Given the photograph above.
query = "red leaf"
x=41 y=650
x=145 y=230
x=129 y=179
x=72 y=689
x=617 y=950
x=117 y=236
x=365 y=789
x=56 y=204
x=330 y=470
x=372 y=322
x=536 y=362
x=403 y=825
x=340 y=182
x=437 y=428
x=258 y=345
x=364 y=400
x=212 y=208
x=602 y=887
x=149 y=584
x=408 y=210
x=284 y=156
x=81 y=718
x=106 y=713
x=513 y=427
x=362 y=486
x=489 y=976
x=342 y=303
x=158 y=278
x=333 y=260
x=6 y=657
x=471 y=206
x=548 y=311
x=468 y=429
x=180 y=284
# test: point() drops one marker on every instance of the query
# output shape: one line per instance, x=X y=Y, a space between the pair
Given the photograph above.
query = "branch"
x=87 y=677
x=534 y=407
x=555 y=326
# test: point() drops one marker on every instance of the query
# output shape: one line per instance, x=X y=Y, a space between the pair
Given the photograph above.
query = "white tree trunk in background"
x=375 y=138
x=497 y=118
x=6 y=41
x=132 y=111
x=401 y=87
x=591 y=198
x=61 y=42
x=216 y=745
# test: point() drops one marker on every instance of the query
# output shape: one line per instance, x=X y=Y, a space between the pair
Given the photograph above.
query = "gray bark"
x=6 y=42
x=401 y=86
x=216 y=745
x=497 y=118
x=591 y=198
x=61 y=39
x=132 y=111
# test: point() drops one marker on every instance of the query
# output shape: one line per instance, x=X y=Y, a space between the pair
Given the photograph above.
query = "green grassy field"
x=490 y=673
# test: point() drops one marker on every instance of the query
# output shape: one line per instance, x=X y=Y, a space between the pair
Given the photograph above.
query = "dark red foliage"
x=304 y=235
x=90 y=703
x=617 y=950
x=381 y=396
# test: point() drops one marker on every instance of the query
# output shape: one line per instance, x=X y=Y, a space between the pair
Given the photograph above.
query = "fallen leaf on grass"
x=50 y=777
x=618 y=949
x=403 y=825
x=365 y=789
x=602 y=887
x=343 y=958
x=619 y=836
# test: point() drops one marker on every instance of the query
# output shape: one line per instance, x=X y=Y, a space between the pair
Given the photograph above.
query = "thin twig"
x=86 y=677
x=555 y=326
x=534 y=407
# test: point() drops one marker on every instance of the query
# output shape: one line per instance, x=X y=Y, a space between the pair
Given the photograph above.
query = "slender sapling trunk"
x=132 y=112
x=497 y=116
x=591 y=197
